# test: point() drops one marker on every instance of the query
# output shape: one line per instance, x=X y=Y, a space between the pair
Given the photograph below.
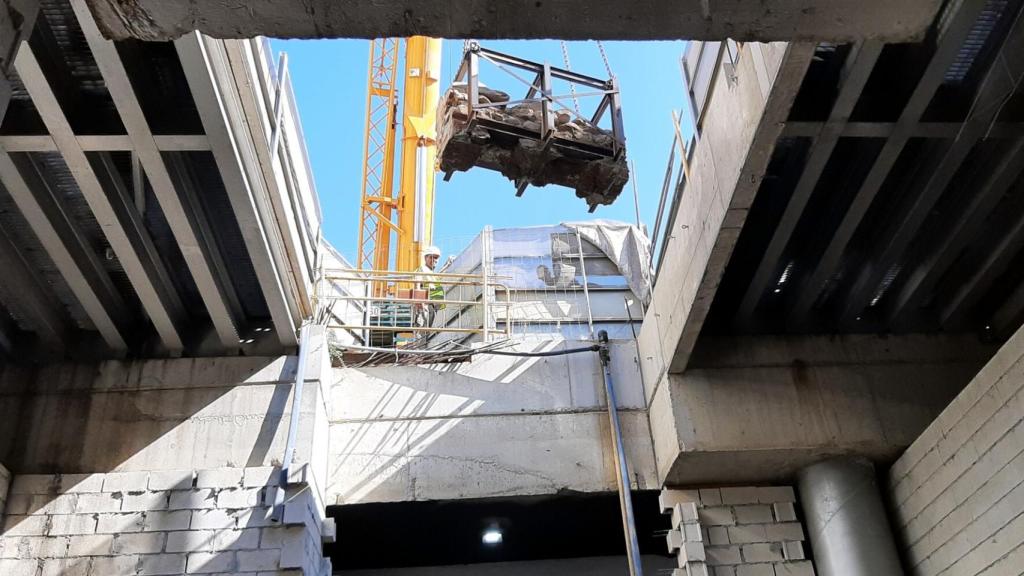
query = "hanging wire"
x=572 y=85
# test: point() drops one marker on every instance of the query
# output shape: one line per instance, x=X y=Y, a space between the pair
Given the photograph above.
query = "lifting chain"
x=572 y=86
x=604 y=57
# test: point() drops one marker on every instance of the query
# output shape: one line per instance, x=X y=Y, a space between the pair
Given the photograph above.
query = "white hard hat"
x=432 y=251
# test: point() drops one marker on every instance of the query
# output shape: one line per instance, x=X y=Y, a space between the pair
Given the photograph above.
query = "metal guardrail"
x=387 y=302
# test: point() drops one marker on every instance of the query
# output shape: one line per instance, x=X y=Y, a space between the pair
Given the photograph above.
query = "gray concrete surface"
x=567 y=19
x=151 y=415
x=497 y=426
x=765 y=417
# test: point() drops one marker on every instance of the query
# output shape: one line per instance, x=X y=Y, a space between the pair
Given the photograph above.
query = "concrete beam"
x=106 y=143
x=741 y=127
x=183 y=221
x=236 y=161
x=567 y=19
x=77 y=262
x=99 y=202
x=759 y=409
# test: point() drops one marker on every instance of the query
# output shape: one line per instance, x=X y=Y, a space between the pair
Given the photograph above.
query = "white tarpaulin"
x=624 y=245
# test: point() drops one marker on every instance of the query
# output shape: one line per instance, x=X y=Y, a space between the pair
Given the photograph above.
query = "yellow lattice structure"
x=378 y=201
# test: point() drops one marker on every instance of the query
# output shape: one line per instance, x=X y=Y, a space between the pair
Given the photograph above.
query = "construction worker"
x=430 y=283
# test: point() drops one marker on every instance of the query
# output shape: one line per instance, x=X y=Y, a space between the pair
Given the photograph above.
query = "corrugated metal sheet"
x=976 y=40
x=60 y=177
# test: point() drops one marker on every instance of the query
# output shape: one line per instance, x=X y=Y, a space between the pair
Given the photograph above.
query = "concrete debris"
x=598 y=180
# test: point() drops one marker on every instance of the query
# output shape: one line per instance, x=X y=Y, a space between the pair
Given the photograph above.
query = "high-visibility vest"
x=435 y=291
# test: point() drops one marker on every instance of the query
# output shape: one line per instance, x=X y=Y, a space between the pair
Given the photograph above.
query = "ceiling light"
x=492 y=537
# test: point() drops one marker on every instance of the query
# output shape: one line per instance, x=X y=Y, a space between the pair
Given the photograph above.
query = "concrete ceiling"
x=894 y=199
x=765 y=20
x=119 y=236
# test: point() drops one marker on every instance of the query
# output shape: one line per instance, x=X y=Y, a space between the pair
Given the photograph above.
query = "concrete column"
x=16 y=20
x=5 y=484
x=846 y=519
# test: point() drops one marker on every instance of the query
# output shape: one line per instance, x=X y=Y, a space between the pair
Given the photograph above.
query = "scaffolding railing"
x=391 y=308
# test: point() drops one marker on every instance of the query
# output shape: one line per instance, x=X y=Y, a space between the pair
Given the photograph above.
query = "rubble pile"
x=596 y=180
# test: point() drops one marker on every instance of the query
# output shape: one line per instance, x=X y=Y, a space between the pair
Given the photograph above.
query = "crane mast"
x=406 y=212
x=419 y=149
x=377 y=202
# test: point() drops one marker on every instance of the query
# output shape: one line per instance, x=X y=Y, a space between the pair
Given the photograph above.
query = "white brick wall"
x=159 y=523
x=958 y=490
x=745 y=531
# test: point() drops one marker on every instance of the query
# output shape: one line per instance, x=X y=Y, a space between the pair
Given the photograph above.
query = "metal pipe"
x=664 y=196
x=293 y=424
x=846 y=519
x=621 y=465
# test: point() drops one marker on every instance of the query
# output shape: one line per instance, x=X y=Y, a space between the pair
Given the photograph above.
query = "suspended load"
x=537 y=140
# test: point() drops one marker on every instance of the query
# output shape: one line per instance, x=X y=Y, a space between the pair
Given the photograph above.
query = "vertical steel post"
x=547 y=125
x=586 y=288
x=472 y=82
x=282 y=75
x=486 y=267
x=621 y=465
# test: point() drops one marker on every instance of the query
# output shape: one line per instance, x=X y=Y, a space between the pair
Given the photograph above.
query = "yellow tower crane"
x=407 y=213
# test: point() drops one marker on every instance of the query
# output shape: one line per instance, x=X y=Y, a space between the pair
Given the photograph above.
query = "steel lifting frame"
x=540 y=89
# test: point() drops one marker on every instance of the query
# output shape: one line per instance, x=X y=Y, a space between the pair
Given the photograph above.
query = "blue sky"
x=329 y=79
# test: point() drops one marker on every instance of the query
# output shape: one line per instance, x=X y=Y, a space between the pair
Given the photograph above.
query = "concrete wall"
x=736 y=531
x=167 y=522
x=496 y=426
x=958 y=490
x=741 y=125
x=595 y=566
x=160 y=415
x=163 y=467
x=5 y=484
x=759 y=409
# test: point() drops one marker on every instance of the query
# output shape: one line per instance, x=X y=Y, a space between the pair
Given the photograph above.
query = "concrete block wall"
x=958 y=491
x=209 y=521
x=736 y=531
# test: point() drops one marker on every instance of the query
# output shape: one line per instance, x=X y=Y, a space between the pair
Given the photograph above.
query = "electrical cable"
x=591 y=348
x=470 y=352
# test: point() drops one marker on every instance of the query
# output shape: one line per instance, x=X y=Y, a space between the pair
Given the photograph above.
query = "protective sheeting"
x=625 y=245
